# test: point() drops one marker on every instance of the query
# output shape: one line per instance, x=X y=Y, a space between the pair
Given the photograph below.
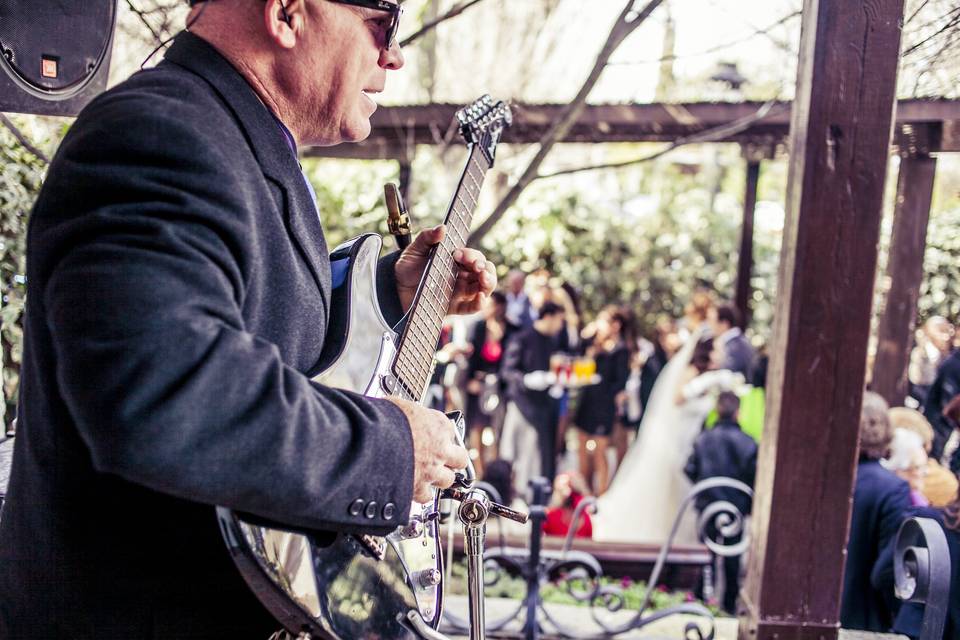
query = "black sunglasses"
x=393 y=8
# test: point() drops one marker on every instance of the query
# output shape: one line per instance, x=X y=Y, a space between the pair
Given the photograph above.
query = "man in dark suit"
x=945 y=387
x=880 y=500
x=725 y=452
x=737 y=352
x=529 y=425
x=179 y=288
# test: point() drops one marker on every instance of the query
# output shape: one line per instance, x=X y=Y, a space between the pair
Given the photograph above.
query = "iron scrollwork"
x=721 y=529
x=921 y=570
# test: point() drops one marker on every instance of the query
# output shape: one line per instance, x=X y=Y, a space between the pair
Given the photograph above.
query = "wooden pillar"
x=406 y=177
x=905 y=271
x=744 y=291
x=839 y=141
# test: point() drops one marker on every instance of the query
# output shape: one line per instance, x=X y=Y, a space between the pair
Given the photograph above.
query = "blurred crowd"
x=547 y=392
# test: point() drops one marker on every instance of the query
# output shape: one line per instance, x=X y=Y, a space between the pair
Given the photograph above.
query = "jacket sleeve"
x=750 y=463
x=692 y=468
x=143 y=283
x=512 y=368
x=622 y=369
x=891 y=514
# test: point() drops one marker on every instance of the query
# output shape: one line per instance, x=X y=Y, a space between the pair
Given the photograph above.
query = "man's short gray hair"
x=875 y=429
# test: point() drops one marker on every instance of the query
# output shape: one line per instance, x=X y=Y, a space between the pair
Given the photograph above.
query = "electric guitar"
x=339 y=586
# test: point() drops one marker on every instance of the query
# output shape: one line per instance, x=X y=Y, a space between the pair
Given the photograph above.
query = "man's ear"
x=284 y=21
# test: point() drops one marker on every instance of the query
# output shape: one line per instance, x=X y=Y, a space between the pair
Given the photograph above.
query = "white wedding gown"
x=650 y=485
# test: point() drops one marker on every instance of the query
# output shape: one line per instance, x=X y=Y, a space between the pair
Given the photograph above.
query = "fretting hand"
x=476 y=277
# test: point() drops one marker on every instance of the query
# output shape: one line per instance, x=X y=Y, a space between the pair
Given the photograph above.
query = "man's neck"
x=542 y=330
x=252 y=68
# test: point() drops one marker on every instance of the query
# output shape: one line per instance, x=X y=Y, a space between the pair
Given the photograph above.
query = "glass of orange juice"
x=584 y=369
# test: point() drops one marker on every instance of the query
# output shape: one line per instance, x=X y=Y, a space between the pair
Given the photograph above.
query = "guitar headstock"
x=482 y=123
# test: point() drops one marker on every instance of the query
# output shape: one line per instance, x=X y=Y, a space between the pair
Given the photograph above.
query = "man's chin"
x=357 y=132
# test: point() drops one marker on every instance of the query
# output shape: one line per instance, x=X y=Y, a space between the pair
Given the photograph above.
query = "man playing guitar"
x=179 y=293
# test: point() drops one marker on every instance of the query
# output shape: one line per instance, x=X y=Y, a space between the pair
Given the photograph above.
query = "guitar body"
x=332 y=585
x=342 y=586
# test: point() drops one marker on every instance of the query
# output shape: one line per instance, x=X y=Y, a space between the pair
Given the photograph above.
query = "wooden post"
x=905 y=271
x=839 y=141
x=745 y=264
x=406 y=177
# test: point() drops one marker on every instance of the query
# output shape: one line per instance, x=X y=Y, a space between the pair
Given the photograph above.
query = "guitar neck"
x=413 y=364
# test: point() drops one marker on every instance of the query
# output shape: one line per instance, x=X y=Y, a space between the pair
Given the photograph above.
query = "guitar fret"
x=460 y=199
x=463 y=223
x=475 y=163
x=473 y=180
x=470 y=194
x=477 y=181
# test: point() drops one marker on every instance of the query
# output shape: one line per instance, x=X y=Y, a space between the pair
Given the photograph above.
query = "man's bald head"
x=313 y=63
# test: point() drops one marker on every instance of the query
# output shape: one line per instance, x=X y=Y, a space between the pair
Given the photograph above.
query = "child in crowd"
x=568 y=490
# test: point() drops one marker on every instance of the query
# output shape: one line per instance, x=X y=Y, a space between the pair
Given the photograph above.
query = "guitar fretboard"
x=414 y=361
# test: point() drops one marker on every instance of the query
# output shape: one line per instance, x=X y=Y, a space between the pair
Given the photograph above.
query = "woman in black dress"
x=483 y=366
x=597 y=409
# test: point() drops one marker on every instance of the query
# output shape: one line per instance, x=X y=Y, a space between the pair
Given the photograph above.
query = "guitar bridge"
x=373 y=545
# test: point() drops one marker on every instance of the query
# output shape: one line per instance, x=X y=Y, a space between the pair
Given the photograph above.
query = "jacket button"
x=371 y=510
x=389 y=510
x=356 y=507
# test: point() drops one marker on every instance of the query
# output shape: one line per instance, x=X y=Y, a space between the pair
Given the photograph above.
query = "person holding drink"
x=604 y=373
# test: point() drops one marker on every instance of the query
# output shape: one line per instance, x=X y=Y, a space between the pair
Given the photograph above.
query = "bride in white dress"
x=650 y=485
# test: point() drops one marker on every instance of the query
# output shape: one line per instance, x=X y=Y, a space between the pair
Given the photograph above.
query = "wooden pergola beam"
x=840 y=137
x=397 y=129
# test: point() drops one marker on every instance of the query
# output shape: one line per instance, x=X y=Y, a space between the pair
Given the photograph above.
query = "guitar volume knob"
x=429 y=578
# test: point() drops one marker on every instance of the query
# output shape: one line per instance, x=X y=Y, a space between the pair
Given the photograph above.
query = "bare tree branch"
x=951 y=23
x=22 y=139
x=710 y=135
x=143 y=18
x=453 y=13
x=916 y=12
x=757 y=32
x=626 y=23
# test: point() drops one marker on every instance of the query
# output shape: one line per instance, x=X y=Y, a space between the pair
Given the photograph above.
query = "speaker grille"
x=55 y=47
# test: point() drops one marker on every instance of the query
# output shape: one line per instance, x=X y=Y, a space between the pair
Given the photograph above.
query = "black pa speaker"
x=54 y=54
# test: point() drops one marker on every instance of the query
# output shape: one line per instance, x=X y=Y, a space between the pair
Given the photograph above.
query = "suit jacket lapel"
x=268 y=145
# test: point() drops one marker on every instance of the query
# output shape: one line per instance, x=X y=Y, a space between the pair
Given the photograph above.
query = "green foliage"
x=350 y=196
x=558 y=592
x=20 y=178
x=647 y=238
x=940 y=288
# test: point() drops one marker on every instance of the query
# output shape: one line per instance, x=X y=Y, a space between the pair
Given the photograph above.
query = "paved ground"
x=578 y=619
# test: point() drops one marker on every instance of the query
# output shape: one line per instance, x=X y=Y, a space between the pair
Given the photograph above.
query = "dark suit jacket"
x=880 y=500
x=739 y=355
x=724 y=451
x=178 y=287
x=528 y=351
x=945 y=386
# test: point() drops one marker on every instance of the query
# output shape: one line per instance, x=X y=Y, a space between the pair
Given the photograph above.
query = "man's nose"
x=392 y=57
